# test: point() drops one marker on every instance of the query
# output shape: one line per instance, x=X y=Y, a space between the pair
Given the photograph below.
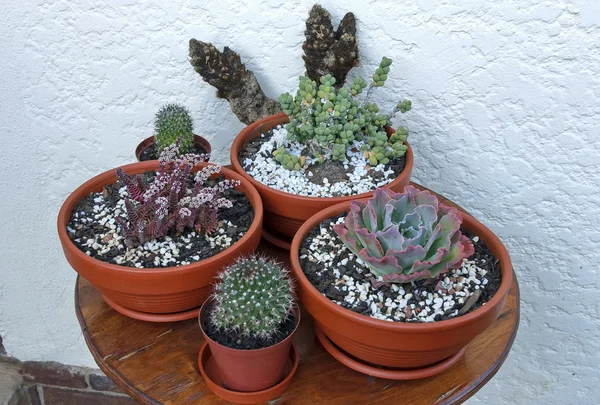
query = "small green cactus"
x=254 y=298
x=173 y=122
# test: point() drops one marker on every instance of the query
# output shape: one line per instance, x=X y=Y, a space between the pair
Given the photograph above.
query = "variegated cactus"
x=404 y=237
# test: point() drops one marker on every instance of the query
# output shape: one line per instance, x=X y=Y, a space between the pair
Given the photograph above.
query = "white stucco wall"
x=506 y=102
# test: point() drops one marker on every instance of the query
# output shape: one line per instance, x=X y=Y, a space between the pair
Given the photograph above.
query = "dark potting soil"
x=235 y=340
x=197 y=247
x=150 y=153
x=326 y=283
x=333 y=170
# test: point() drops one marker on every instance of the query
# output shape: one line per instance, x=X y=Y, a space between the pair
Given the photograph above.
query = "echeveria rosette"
x=403 y=237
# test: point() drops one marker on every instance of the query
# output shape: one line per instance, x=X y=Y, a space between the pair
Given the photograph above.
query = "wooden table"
x=157 y=363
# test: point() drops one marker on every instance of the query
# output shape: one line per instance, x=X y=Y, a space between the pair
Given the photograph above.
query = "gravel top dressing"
x=343 y=278
x=94 y=231
x=329 y=179
x=151 y=152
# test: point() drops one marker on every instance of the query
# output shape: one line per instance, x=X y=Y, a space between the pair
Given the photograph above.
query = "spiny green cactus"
x=254 y=297
x=172 y=122
x=328 y=121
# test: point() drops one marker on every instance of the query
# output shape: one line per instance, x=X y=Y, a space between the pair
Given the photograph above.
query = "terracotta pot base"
x=213 y=379
x=277 y=240
x=150 y=317
x=387 y=373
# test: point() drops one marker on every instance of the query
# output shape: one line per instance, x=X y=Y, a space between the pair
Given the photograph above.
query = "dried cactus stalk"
x=327 y=51
x=226 y=72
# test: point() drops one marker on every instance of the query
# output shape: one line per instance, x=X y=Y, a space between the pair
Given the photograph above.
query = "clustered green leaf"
x=253 y=298
x=328 y=121
x=173 y=122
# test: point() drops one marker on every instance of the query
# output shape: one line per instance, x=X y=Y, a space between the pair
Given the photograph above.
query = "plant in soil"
x=252 y=306
x=329 y=121
x=400 y=257
x=334 y=144
x=404 y=237
x=161 y=219
x=170 y=204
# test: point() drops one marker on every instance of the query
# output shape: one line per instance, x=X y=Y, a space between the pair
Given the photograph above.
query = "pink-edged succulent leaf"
x=403 y=237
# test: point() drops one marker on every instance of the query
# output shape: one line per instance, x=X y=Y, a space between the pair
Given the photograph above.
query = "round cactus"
x=173 y=122
x=254 y=297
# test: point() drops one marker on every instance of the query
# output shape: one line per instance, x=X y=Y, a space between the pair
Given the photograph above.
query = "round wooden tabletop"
x=156 y=363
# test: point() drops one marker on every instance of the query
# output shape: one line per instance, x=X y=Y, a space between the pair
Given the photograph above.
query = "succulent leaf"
x=404 y=237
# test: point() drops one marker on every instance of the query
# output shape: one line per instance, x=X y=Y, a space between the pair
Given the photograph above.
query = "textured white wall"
x=505 y=95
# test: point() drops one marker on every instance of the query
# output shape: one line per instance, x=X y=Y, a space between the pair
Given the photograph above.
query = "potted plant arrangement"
x=172 y=122
x=399 y=283
x=334 y=148
x=151 y=236
x=248 y=325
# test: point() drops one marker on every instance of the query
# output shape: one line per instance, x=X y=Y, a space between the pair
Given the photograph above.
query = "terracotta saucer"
x=211 y=374
x=276 y=240
x=149 y=317
x=387 y=373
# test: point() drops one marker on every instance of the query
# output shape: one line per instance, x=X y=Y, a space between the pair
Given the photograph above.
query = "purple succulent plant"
x=404 y=237
x=171 y=203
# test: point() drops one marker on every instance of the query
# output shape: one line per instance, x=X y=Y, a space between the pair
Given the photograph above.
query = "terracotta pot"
x=285 y=212
x=399 y=345
x=146 y=143
x=250 y=370
x=156 y=290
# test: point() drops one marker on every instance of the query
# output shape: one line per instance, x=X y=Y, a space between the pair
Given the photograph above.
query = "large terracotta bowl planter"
x=157 y=290
x=286 y=212
x=150 y=141
x=399 y=345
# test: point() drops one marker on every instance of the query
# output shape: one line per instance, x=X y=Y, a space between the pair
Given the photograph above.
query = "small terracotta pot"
x=250 y=370
x=286 y=212
x=146 y=143
x=157 y=290
x=391 y=344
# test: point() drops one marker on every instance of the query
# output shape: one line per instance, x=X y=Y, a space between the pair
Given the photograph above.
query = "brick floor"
x=50 y=383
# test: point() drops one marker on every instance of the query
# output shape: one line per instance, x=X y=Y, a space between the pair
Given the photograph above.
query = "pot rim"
x=252 y=352
x=145 y=144
x=470 y=222
x=238 y=143
x=100 y=180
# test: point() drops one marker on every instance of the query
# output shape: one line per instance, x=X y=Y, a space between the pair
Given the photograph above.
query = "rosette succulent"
x=404 y=237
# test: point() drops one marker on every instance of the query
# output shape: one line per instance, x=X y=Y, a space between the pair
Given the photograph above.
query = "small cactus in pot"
x=173 y=122
x=249 y=323
x=253 y=299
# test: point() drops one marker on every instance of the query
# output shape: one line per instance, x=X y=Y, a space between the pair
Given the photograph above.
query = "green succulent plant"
x=173 y=122
x=403 y=237
x=334 y=119
x=254 y=297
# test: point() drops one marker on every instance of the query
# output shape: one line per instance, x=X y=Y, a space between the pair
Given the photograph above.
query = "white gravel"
x=265 y=169
x=166 y=252
x=451 y=291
